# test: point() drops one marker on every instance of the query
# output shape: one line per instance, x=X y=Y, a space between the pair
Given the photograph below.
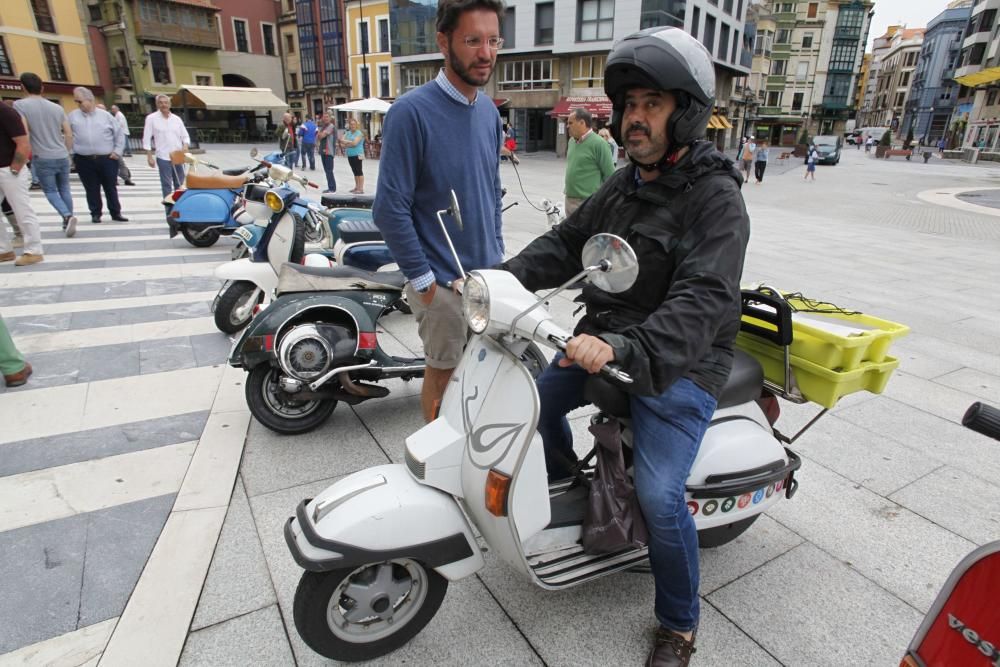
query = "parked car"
x=853 y=137
x=828 y=147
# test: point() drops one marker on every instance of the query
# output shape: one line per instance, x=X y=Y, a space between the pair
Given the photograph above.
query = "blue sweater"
x=432 y=144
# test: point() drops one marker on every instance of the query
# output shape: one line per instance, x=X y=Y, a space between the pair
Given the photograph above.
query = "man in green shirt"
x=588 y=160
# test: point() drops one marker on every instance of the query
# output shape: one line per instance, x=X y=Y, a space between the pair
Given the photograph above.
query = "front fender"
x=259 y=273
x=204 y=207
x=379 y=514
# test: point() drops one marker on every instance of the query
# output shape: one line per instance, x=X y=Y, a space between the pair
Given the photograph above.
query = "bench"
x=898 y=152
x=785 y=155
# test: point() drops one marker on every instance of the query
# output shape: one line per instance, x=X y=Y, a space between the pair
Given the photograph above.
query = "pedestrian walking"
x=353 y=144
x=8 y=213
x=14 y=183
x=760 y=161
x=307 y=137
x=811 y=158
x=166 y=132
x=747 y=157
x=588 y=160
x=123 y=171
x=51 y=141
x=98 y=143
x=288 y=140
x=509 y=144
x=327 y=138
x=868 y=143
x=940 y=146
x=612 y=144
x=13 y=367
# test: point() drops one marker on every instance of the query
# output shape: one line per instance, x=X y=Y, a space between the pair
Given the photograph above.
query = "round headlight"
x=274 y=201
x=476 y=303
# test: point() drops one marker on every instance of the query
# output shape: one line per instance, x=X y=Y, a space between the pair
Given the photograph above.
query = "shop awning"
x=225 y=98
x=501 y=101
x=988 y=75
x=717 y=122
x=599 y=107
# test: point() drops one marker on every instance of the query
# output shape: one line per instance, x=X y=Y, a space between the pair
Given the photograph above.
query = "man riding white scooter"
x=681 y=209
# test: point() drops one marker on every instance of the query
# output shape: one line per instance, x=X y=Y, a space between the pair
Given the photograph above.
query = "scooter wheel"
x=280 y=411
x=203 y=241
x=366 y=612
x=230 y=301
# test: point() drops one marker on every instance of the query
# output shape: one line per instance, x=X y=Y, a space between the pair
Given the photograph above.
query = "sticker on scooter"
x=484 y=453
x=692 y=507
x=728 y=504
x=710 y=507
x=986 y=648
x=758 y=496
x=744 y=500
x=770 y=490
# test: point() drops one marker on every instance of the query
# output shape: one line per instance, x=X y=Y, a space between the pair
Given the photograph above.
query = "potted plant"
x=884 y=144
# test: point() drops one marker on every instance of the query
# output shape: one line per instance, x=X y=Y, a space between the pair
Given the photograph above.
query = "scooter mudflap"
x=174 y=227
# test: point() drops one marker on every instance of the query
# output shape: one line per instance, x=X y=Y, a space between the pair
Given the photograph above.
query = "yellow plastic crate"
x=817 y=384
x=836 y=341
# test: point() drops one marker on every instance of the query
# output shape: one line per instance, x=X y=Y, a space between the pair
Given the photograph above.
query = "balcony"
x=835 y=103
x=121 y=76
x=776 y=80
x=179 y=35
x=768 y=111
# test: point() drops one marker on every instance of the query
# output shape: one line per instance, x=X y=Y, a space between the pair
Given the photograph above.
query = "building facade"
x=542 y=73
x=977 y=115
x=322 y=54
x=154 y=47
x=249 y=57
x=895 y=77
x=369 y=50
x=933 y=93
x=880 y=45
x=46 y=37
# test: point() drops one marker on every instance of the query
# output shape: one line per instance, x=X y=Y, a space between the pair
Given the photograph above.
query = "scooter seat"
x=333 y=200
x=743 y=384
x=359 y=231
x=299 y=278
x=214 y=182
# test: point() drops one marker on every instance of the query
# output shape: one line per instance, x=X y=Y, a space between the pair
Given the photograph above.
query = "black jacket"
x=689 y=229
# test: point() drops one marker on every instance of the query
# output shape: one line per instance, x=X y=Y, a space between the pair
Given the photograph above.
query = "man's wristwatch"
x=426 y=289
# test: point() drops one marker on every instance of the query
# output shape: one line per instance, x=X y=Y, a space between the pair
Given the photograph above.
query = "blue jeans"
x=667 y=431
x=171 y=176
x=331 y=181
x=290 y=158
x=308 y=151
x=53 y=174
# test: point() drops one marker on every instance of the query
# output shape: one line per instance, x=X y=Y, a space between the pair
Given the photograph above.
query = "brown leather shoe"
x=670 y=650
x=27 y=258
x=17 y=379
x=8 y=256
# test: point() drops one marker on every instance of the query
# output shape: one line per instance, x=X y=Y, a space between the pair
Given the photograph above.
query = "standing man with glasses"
x=427 y=165
x=166 y=130
x=51 y=142
x=98 y=143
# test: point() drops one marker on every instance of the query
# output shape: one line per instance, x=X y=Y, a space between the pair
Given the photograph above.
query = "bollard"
x=927 y=156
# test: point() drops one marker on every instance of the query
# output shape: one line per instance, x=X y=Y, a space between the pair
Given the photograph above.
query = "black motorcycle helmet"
x=663 y=59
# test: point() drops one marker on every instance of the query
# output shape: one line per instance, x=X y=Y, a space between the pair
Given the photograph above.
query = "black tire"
x=299 y=241
x=313 y=601
x=534 y=360
x=203 y=241
x=278 y=410
x=716 y=537
x=235 y=296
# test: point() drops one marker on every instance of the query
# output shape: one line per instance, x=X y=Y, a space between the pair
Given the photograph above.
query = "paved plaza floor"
x=141 y=508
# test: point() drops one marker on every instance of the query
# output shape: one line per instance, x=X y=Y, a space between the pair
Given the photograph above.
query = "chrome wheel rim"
x=375 y=601
x=282 y=403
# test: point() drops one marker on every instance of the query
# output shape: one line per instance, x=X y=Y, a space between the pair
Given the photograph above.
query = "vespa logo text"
x=988 y=649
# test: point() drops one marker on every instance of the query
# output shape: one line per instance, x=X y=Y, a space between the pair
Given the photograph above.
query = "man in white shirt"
x=167 y=131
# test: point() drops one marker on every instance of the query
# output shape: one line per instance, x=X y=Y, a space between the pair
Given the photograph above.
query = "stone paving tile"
x=38 y=324
x=810 y=621
x=930 y=396
x=51 y=369
x=390 y=421
x=183 y=311
x=211 y=349
x=95 y=319
x=964 y=504
x=257 y=638
x=166 y=286
x=20 y=296
x=96 y=291
x=27 y=455
x=54 y=266
x=157 y=356
x=764 y=541
x=238 y=581
x=972 y=381
x=108 y=361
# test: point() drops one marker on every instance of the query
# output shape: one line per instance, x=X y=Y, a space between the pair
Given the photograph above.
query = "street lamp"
x=749 y=97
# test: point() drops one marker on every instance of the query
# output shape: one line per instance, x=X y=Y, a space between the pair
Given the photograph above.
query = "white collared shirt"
x=451 y=91
x=169 y=134
x=580 y=140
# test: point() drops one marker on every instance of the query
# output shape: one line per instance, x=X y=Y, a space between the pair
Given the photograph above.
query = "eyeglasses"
x=78 y=101
x=476 y=43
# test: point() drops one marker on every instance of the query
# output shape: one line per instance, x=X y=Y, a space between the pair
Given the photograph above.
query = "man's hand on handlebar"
x=589 y=352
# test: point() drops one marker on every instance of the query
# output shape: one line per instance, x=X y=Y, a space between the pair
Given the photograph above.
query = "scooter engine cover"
x=367 y=256
x=341 y=216
x=309 y=350
x=204 y=207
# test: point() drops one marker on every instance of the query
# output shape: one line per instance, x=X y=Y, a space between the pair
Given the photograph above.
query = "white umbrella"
x=369 y=105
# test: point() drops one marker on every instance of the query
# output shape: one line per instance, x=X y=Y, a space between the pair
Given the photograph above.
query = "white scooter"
x=381 y=545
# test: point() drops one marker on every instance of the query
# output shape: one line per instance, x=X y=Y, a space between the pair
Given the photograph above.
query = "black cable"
x=814 y=306
x=521 y=185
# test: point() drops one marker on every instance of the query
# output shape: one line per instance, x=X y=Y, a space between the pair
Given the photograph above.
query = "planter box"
x=880 y=151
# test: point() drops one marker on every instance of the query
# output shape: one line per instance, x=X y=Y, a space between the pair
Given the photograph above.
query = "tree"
x=886 y=139
x=804 y=137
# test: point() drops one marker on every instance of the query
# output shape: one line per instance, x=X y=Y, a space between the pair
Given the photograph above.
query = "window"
x=160 y=66
x=763 y=42
x=289 y=5
x=268 y=31
x=802 y=70
x=904 y=79
x=727 y=6
x=797 y=101
x=595 y=20
x=807 y=40
x=991 y=99
x=694 y=23
x=779 y=67
x=842 y=55
x=527 y=75
x=783 y=36
x=43 y=16
x=202 y=80
x=240 y=31
x=723 y=41
x=739 y=10
x=294 y=78
x=507 y=30
x=54 y=61
x=366 y=87
x=544 y=22
x=662 y=13
x=709 y=39
x=363 y=38
x=383 y=36
x=813 y=9
x=418 y=76
x=95 y=12
x=5 y=66
x=289 y=43
x=787 y=7
x=774 y=98
x=736 y=46
x=588 y=72
x=383 y=81
x=900 y=97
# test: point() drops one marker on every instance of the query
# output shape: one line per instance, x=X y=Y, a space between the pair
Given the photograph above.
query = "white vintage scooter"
x=381 y=545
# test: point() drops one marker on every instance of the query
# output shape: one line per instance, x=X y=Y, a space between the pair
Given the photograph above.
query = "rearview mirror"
x=455 y=211
x=619 y=265
x=254 y=152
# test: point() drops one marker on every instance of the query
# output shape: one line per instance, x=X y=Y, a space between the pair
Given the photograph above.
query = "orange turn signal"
x=497 y=485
